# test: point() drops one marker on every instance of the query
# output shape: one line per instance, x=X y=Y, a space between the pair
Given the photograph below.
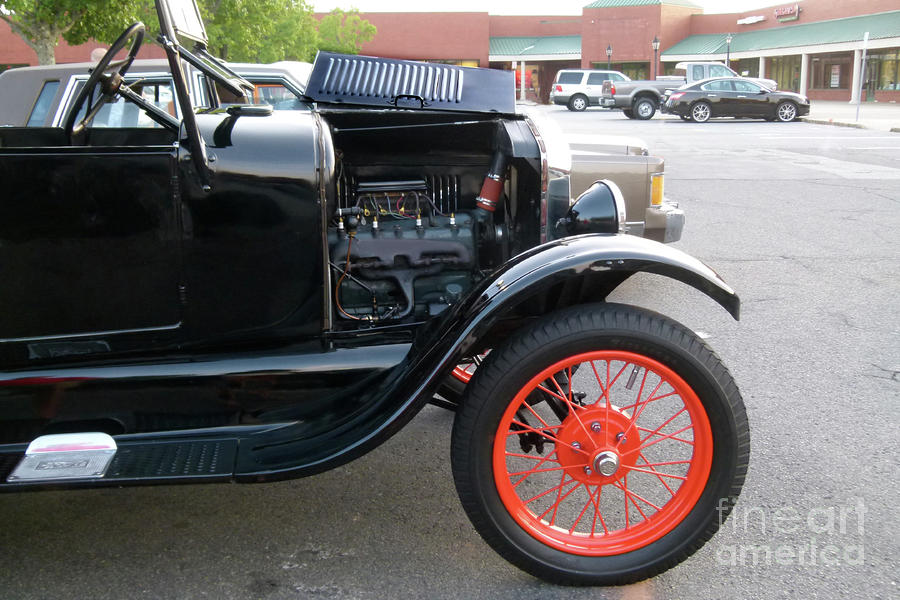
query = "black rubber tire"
x=578 y=103
x=565 y=334
x=701 y=112
x=786 y=111
x=644 y=108
x=627 y=112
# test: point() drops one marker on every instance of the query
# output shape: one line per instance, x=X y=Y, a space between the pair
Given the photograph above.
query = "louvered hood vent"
x=385 y=82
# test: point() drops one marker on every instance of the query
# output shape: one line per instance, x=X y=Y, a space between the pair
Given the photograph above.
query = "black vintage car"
x=242 y=295
x=733 y=97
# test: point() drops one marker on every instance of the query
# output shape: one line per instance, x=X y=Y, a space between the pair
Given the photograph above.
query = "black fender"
x=597 y=263
x=593 y=265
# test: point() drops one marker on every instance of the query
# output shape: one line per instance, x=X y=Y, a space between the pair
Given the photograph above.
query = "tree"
x=344 y=31
x=42 y=22
x=259 y=30
x=238 y=30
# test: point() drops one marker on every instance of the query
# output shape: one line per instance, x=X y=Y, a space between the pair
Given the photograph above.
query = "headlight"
x=600 y=209
x=656 y=189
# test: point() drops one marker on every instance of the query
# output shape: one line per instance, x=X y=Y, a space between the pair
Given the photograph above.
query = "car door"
x=721 y=97
x=752 y=98
x=595 y=86
x=89 y=244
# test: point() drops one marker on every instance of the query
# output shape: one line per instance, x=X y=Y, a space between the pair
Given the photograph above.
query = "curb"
x=832 y=122
x=845 y=124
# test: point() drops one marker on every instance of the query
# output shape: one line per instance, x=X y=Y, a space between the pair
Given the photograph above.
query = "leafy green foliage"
x=344 y=31
x=238 y=30
x=41 y=22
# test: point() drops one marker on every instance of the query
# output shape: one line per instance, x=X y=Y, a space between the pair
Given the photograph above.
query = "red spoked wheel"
x=620 y=470
x=601 y=446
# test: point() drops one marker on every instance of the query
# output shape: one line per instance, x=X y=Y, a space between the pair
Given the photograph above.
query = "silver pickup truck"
x=641 y=99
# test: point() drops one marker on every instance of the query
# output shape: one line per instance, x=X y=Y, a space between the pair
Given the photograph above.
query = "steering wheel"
x=109 y=75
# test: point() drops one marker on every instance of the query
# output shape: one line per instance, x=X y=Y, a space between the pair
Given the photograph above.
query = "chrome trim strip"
x=43 y=338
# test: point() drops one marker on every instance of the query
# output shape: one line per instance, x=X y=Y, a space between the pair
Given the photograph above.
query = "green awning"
x=536 y=46
x=850 y=29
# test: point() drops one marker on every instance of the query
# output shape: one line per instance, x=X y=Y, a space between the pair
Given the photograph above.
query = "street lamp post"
x=608 y=56
x=728 y=50
x=655 y=44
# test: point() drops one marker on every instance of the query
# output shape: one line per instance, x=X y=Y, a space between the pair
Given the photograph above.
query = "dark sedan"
x=732 y=97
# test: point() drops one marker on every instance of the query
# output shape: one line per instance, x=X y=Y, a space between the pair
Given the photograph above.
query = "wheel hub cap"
x=606 y=463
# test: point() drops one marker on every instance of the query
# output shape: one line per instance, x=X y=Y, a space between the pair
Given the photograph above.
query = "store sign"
x=751 y=20
x=788 y=13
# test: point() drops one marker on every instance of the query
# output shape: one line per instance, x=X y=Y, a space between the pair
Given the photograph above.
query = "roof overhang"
x=788 y=51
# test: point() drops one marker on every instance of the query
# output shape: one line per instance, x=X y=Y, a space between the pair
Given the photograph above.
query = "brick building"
x=813 y=47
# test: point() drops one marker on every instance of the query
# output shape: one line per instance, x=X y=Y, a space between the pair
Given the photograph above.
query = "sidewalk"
x=881 y=116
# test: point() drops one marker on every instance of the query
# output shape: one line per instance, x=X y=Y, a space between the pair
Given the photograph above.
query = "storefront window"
x=459 y=63
x=786 y=71
x=885 y=67
x=748 y=67
x=831 y=71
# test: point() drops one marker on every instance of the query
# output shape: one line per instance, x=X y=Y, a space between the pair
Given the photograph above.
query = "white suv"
x=579 y=88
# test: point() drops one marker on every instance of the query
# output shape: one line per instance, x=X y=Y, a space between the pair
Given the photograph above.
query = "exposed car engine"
x=400 y=248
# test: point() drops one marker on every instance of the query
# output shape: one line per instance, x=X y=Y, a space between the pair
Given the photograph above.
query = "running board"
x=74 y=462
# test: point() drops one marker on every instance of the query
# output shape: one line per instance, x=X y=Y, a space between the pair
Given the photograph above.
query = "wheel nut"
x=576 y=445
x=595 y=427
x=587 y=470
x=620 y=438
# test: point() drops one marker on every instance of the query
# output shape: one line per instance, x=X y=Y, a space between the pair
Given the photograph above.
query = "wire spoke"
x=547 y=470
x=603 y=391
x=666 y=395
x=661 y=427
x=583 y=510
x=551 y=490
x=629 y=495
x=534 y=468
x=529 y=456
x=598 y=514
x=663 y=438
x=537 y=416
x=571 y=405
x=653 y=466
x=654 y=472
x=529 y=429
x=637 y=411
x=559 y=498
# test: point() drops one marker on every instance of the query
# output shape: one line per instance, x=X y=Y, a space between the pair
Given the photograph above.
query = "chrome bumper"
x=664 y=223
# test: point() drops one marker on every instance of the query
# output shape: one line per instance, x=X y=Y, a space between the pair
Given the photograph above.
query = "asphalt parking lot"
x=800 y=219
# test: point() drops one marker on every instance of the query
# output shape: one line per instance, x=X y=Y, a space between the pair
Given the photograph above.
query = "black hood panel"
x=386 y=82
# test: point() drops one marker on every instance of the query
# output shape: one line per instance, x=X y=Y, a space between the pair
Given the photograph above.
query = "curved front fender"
x=599 y=262
x=603 y=253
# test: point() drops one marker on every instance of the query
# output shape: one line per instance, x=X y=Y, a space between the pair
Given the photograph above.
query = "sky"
x=513 y=7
